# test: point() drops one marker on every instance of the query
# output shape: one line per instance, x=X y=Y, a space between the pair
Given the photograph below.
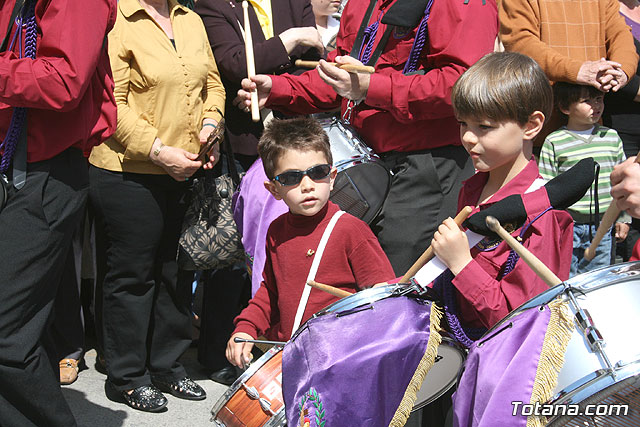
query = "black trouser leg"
x=145 y=325
x=36 y=228
x=424 y=192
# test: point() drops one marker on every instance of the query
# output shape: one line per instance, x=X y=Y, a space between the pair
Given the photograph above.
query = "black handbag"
x=210 y=237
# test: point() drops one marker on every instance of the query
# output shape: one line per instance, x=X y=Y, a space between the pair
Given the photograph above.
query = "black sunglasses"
x=316 y=173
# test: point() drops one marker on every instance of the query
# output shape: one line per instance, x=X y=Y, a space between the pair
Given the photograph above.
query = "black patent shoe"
x=184 y=388
x=144 y=398
x=227 y=375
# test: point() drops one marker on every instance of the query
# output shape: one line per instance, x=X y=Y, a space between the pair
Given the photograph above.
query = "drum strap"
x=314 y=269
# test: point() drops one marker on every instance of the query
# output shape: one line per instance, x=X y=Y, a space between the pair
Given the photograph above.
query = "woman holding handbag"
x=169 y=98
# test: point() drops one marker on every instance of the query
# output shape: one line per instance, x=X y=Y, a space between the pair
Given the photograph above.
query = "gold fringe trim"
x=551 y=360
x=408 y=400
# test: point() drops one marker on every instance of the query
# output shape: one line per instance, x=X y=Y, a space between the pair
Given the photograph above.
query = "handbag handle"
x=231 y=162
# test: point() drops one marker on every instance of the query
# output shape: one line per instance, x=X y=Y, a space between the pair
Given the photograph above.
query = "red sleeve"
x=550 y=238
x=66 y=56
x=262 y=313
x=459 y=35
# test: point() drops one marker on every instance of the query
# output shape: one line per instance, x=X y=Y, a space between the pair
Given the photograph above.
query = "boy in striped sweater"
x=584 y=137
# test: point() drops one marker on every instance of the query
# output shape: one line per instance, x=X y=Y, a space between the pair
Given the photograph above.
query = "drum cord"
x=19 y=115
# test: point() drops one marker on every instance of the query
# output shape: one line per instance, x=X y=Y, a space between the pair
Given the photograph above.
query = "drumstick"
x=352 y=68
x=608 y=220
x=532 y=261
x=341 y=293
x=428 y=254
x=251 y=65
x=241 y=340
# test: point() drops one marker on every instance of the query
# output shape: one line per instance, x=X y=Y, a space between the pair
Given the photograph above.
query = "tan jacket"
x=561 y=34
x=160 y=91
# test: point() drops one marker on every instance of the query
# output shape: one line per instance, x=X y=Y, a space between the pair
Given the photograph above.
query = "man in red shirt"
x=403 y=111
x=55 y=71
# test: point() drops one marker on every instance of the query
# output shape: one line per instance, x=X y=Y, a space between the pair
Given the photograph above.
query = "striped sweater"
x=563 y=148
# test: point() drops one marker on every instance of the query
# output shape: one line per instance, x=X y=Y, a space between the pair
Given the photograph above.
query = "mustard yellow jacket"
x=160 y=91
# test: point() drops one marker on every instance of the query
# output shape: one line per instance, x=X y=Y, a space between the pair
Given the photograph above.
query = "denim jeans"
x=581 y=241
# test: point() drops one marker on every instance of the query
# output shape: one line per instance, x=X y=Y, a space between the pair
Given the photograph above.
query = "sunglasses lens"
x=319 y=172
x=290 y=178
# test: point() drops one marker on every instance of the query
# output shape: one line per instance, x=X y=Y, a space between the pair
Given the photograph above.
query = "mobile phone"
x=214 y=137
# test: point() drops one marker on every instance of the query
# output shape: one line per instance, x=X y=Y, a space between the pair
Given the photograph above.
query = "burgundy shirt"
x=68 y=88
x=352 y=260
x=483 y=298
x=401 y=112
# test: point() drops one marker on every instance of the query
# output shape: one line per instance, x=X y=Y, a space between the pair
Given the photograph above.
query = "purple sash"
x=519 y=360
x=361 y=367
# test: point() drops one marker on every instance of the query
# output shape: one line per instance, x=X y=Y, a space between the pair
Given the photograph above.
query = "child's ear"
x=271 y=188
x=533 y=127
x=332 y=178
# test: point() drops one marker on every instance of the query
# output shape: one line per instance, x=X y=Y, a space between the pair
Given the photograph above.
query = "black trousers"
x=36 y=228
x=145 y=314
x=65 y=334
x=424 y=192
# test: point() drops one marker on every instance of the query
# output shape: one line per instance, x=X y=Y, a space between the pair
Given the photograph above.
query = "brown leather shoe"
x=68 y=371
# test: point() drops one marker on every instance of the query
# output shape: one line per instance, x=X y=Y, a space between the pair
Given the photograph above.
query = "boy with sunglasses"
x=297 y=160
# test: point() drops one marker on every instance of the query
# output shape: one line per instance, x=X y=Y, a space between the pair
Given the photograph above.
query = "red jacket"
x=483 y=298
x=401 y=112
x=352 y=260
x=68 y=88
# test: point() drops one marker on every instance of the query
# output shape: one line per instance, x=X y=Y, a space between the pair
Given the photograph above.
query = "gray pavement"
x=92 y=408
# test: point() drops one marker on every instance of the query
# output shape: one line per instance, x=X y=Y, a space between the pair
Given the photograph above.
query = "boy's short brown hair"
x=300 y=133
x=565 y=94
x=503 y=86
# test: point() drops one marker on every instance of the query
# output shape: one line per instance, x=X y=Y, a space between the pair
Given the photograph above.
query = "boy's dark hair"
x=300 y=133
x=565 y=94
x=503 y=86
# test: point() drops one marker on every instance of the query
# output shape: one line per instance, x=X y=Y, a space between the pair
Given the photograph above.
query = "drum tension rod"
x=590 y=332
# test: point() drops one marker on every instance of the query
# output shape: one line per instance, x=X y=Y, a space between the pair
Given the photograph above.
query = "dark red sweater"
x=352 y=260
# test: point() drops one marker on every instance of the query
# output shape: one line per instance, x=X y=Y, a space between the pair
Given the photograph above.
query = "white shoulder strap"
x=314 y=269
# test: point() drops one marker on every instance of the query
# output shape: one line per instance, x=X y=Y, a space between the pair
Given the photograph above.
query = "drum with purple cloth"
x=591 y=319
x=363 y=181
x=363 y=359
x=444 y=373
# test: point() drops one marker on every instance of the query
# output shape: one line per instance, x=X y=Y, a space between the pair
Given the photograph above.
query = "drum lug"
x=254 y=394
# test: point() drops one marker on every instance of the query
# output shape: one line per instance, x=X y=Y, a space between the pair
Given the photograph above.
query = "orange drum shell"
x=241 y=411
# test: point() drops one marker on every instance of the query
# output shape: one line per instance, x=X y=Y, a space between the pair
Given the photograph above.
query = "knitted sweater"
x=563 y=148
x=561 y=35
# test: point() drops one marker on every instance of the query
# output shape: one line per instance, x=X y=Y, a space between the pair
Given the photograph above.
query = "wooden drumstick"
x=341 y=293
x=532 y=261
x=251 y=64
x=428 y=254
x=352 y=68
x=608 y=219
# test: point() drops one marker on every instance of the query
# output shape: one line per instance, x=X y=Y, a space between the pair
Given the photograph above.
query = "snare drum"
x=602 y=359
x=255 y=398
x=451 y=355
x=363 y=181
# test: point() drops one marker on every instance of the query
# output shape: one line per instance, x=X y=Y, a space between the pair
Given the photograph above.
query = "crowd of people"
x=102 y=128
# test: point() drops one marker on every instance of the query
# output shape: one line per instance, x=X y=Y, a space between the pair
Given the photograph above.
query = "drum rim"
x=582 y=284
x=248 y=373
x=594 y=382
x=382 y=292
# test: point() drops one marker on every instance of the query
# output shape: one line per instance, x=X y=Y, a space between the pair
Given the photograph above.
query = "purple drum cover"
x=353 y=368
x=500 y=369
